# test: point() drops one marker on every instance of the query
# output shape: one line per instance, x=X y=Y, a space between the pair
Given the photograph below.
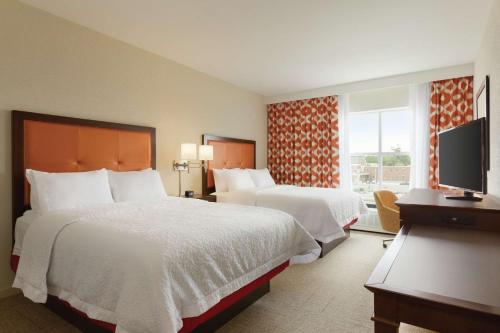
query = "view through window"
x=379 y=143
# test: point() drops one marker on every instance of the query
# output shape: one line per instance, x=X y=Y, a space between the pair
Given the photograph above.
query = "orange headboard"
x=229 y=153
x=61 y=144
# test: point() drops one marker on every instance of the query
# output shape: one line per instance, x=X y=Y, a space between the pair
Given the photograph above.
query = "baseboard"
x=9 y=292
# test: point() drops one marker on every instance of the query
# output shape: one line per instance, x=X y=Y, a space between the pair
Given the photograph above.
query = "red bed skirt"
x=348 y=225
x=189 y=324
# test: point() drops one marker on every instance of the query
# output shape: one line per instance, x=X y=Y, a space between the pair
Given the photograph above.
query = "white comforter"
x=145 y=267
x=321 y=211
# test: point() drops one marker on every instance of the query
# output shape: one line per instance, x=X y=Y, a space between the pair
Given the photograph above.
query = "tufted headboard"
x=229 y=153
x=62 y=144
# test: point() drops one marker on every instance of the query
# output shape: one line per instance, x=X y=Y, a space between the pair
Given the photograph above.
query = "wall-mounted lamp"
x=206 y=153
x=188 y=151
x=189 y=154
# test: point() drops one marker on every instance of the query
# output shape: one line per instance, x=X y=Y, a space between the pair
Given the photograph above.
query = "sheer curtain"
x=419 y=104
x=344 y=155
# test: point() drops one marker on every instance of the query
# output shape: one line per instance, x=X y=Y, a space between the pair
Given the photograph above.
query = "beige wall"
x=52 y=66
x=488 y=63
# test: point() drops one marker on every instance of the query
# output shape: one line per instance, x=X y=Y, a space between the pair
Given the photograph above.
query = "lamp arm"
x=195 y=164
x=178 y=166
x=180 y=186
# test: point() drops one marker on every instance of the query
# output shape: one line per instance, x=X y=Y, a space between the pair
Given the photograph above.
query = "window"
x=380 y=151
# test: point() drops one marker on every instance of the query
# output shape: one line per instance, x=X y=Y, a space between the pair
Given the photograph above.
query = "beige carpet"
x=326 y=296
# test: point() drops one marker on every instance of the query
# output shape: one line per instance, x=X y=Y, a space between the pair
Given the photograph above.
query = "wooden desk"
x=431 y=207
x=442 y=272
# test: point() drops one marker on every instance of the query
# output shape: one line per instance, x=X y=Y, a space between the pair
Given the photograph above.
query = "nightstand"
x=210 y=198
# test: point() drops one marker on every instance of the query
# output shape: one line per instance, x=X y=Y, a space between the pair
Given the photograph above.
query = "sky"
x=363 y=131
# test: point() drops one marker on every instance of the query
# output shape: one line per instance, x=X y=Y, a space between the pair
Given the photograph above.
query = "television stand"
x=468 y=196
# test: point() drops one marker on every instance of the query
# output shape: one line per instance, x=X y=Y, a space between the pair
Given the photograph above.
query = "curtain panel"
x=303 y=142
x=345 y=177
x=451 y=105
x=419 y=149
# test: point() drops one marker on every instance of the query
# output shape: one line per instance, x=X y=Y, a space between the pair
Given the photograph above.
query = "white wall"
x=386 y=98
x=50 y=65
x=488 y=63
x=386 y=82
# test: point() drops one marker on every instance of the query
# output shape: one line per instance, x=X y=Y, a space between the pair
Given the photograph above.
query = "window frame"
x=380 y=154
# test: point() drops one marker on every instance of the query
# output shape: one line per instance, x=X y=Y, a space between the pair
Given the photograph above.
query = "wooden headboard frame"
x=20 y=118
x=207 y=184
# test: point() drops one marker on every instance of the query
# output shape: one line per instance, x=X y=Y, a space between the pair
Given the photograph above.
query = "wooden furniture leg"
x=385 y=314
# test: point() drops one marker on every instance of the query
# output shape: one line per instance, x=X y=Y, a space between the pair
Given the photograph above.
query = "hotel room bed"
x=145 y=266
x=325 y=213
x=158 y=266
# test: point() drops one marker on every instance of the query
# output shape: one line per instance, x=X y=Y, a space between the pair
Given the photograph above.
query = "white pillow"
x=220 y=180
x=239 y=179
x=34 y=202
x=262 y=178
x=145 y=185
x=68 y=190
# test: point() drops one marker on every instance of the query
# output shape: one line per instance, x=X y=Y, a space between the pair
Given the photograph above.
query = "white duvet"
x=145 y=266
x=323 y=212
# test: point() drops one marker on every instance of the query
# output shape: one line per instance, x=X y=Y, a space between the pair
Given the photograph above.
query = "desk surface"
x=455 y=263
x=436 y=199
x=459 y=267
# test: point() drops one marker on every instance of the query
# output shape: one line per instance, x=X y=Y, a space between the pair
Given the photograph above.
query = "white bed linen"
x=145 y=266
x=68 y=190
x=323 y=212
x=22 y=225
x=144 y=185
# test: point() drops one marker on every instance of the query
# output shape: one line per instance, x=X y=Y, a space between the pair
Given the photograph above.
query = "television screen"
x=461 y=157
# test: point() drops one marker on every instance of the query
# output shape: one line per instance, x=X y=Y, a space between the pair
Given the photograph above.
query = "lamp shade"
x=188 y=151
x=206 y=153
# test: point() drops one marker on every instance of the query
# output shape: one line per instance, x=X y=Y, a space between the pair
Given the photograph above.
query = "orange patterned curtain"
x=451 y=106
x=303 y=142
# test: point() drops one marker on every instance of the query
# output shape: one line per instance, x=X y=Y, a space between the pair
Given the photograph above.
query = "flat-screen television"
x=462 y=153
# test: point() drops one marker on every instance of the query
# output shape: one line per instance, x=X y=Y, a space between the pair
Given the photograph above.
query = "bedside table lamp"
x=189 y=154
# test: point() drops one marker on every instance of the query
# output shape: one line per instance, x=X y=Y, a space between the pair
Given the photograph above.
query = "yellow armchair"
x=388 y=212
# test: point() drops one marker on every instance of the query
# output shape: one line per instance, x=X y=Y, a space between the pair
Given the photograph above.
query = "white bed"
x=323 y=212
x=113 y=245
x=145 y=266
x=22 y=225
x=233 y=177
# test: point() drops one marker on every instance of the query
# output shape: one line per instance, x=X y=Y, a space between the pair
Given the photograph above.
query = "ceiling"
x=282 y=46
